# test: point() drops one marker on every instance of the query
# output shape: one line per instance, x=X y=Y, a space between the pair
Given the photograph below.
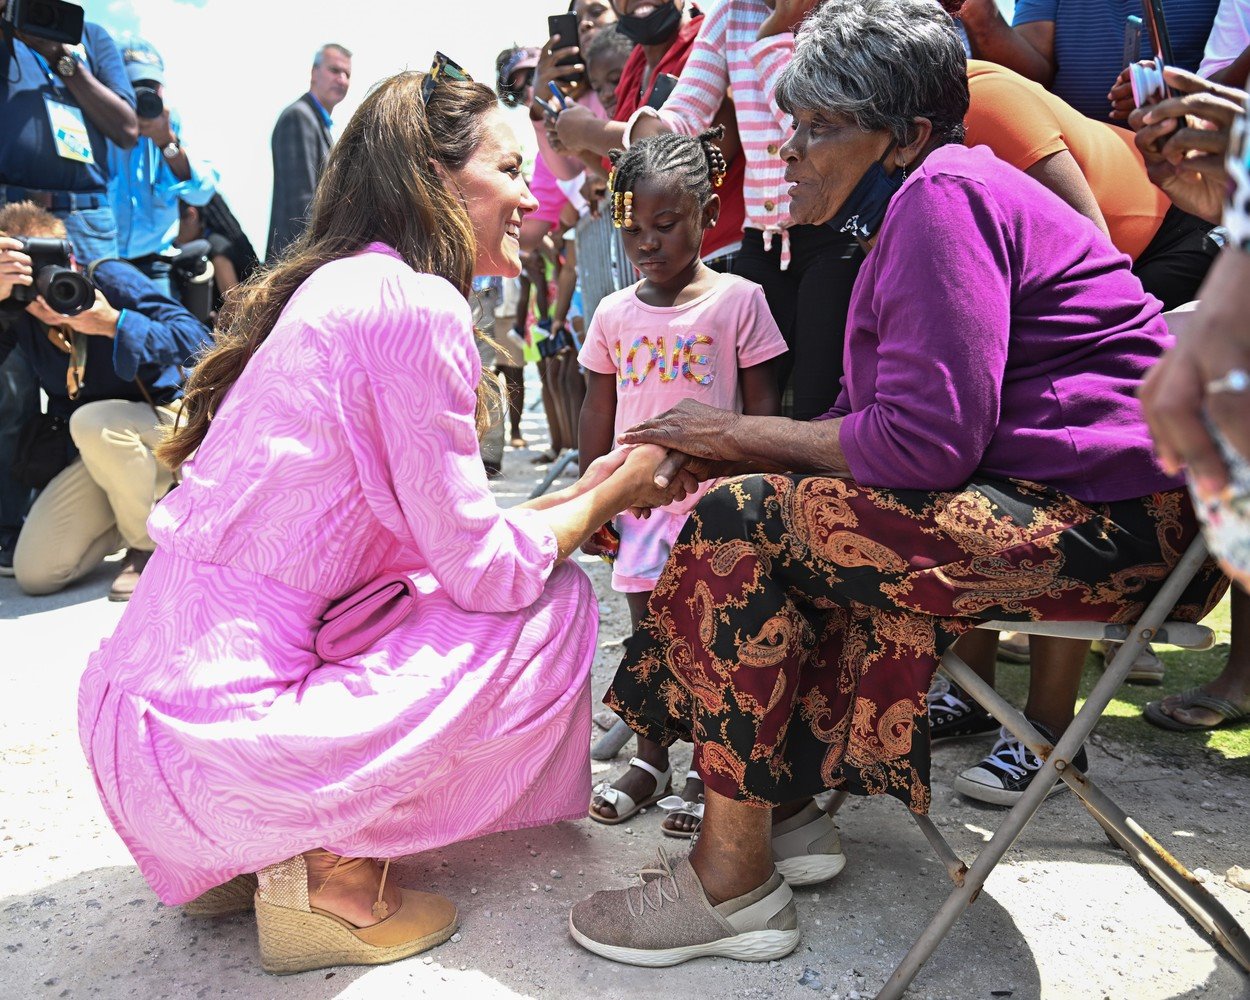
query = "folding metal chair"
x=1141 y=847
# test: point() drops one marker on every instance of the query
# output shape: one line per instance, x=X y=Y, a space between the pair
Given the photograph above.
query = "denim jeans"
x=19 y=401
x=92 y=233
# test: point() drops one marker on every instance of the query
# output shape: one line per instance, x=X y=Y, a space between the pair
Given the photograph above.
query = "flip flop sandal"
x=624 y=803
x=1194 y=698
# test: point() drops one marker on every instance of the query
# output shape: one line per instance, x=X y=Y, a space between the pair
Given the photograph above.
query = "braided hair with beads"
x=694 y=162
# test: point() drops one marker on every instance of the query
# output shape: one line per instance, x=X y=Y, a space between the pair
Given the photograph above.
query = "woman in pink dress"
x=334 y=437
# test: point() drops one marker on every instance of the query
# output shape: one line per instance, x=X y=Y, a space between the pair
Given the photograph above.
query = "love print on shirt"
x=645 y=355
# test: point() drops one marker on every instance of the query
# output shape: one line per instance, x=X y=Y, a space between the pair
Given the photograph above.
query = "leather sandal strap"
x=1196 y=697
x=662 y=778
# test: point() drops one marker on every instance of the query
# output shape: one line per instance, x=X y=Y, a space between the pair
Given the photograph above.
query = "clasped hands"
x=670 y=454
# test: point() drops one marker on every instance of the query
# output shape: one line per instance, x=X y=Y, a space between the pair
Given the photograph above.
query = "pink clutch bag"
x=356 y=622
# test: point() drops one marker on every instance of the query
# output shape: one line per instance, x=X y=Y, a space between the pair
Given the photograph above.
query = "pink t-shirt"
x=662 y=355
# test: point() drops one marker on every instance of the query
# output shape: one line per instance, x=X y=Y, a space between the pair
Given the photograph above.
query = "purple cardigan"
x=995 y=331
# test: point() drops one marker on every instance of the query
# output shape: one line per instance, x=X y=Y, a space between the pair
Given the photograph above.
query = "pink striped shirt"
x=728 y=58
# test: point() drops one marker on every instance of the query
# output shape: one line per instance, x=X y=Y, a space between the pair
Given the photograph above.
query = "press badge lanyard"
x=69 y=127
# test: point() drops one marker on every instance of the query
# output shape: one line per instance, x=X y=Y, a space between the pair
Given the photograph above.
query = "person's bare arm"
x=580 y=128
x=1060 y=173
x=224 y=274
x=596 y=498
x=1028 y=49
x=112 y=115
x=1175 y=397
x=1235 y=73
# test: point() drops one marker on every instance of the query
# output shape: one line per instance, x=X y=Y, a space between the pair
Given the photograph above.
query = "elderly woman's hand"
x=1184 y=141
x=698 y=430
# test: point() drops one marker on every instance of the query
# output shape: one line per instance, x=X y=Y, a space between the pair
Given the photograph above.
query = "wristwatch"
x=66 y=66
x=172 y=150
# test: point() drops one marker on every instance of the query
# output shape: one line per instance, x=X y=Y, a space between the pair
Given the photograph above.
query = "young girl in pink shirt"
x=683 y=332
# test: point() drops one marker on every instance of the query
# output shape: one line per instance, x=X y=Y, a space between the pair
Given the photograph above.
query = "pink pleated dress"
x=220 y=743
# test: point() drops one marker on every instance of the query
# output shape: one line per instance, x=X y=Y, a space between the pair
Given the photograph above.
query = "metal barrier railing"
x=602 y=267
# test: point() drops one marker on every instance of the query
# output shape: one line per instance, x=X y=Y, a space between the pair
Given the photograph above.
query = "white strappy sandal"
x=676 y=806
x=624 y=803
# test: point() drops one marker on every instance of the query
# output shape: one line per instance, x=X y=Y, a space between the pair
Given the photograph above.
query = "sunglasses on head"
x=442 y=68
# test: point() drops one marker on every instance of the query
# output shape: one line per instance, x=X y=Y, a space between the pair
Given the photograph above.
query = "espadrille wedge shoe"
x=297 y=937
x=236 y=896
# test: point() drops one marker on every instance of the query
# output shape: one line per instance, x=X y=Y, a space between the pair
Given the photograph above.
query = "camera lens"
x=148 y=103
x=66 y=292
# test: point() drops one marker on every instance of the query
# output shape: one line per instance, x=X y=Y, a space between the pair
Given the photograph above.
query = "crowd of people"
x=97 y=157
x=923 y=316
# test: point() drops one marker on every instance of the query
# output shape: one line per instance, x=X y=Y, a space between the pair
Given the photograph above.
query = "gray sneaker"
x=806 y=847
x=668 y=920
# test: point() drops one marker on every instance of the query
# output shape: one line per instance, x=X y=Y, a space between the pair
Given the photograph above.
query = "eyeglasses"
x=441 y=68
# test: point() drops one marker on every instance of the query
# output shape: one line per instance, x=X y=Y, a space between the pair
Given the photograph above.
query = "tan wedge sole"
x=224 y=900
x=299 y=941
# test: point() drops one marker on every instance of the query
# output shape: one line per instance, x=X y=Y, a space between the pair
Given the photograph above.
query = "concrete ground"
x=1063 y=917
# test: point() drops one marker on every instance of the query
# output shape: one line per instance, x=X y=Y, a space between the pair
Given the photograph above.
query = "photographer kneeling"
x=113 y=370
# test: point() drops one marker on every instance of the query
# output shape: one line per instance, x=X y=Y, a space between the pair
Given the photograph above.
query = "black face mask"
x=864 y=209
x=654 y=29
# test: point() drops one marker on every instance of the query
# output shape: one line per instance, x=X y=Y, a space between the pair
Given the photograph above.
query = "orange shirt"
x=1023 y=123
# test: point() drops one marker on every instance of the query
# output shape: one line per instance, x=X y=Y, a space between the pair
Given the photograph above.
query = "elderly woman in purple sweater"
x=987 y=459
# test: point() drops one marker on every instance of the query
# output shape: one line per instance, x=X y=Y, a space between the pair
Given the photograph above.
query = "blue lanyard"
x=47 y=70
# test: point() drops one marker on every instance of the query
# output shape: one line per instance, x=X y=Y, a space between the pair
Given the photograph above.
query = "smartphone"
x=661 y=89
x=1132 y=40
x=1156 y=25
x=563 y=28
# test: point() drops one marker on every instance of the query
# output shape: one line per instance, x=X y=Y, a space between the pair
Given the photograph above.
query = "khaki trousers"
x=101 y=501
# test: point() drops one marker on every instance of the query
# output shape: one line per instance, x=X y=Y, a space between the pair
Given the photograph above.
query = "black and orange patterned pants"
x=799 y=622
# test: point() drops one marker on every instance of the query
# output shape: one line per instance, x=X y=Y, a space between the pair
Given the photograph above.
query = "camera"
x=148 y=101
x=54 y=20
x=64 y=289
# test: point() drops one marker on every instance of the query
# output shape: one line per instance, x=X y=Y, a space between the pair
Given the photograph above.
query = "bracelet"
x=643 y=112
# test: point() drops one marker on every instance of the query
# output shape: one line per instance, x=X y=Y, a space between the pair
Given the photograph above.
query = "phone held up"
x=563 y=31
x=1147 y=80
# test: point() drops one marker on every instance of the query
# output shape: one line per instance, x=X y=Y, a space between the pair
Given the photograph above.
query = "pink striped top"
x=728 y=58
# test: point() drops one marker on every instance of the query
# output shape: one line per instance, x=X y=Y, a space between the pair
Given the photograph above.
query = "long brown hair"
x=379 y=184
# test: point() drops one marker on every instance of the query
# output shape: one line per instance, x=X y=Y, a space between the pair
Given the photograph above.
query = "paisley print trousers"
x=799 y=622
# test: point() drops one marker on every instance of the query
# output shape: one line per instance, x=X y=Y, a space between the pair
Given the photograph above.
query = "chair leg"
x=1057 y=764
x=1171 y=875
x=962 y=896
x=955 y=866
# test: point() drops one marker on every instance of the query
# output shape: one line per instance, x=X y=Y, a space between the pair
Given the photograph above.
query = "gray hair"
x=608 y=42
x=319 y=58
x=881 y=63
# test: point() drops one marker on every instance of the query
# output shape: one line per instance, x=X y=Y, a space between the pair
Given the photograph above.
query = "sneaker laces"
x=661 y=881
x=1012 y=756
x=942 y=697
